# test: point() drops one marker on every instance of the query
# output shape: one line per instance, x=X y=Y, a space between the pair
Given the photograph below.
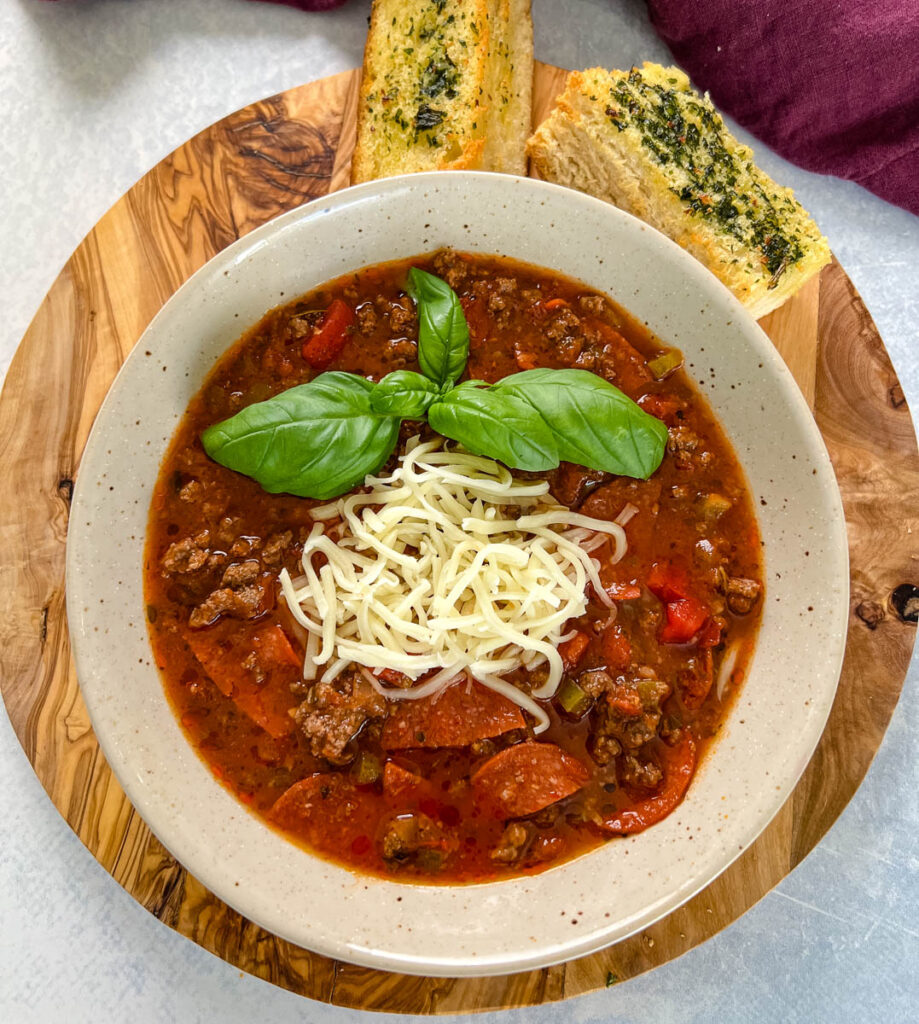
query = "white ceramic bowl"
x=578 y=906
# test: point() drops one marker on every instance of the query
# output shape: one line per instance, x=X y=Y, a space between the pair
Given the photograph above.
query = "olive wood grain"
x=232 y=177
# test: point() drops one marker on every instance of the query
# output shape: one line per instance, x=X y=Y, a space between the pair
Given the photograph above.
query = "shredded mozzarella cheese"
x=449 y=563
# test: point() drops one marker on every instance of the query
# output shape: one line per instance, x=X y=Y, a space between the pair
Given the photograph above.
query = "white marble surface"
x=94 y=93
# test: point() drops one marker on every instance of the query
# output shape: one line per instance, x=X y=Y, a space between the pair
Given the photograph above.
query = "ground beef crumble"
x=334 y=712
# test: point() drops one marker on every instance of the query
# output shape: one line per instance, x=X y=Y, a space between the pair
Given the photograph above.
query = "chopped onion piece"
x=728 y=664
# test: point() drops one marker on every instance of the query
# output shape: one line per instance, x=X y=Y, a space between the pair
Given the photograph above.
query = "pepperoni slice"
x=400 y=784
x=254 y=668
x=527 y=777
x=455 y=717
x=305 y=799
x=679 y=763
x=328 y=811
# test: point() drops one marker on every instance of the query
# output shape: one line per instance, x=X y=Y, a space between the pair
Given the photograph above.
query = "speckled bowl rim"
x=581 y=905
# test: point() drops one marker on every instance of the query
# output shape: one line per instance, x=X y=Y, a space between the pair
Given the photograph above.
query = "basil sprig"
x=319 y=440
x=443 y=334
x=316 y=440
x=503 y=427
x=405 y=394
x=594 y=424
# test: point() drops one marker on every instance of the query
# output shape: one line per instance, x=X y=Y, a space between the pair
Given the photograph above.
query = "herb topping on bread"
x=446 y=84
x=647 y=141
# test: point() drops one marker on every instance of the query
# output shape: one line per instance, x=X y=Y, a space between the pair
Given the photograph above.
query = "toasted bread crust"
x=647 y=142
x=446 y=85
x=508 y=121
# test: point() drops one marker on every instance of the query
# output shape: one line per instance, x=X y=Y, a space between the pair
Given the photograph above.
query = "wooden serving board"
x=251 y=166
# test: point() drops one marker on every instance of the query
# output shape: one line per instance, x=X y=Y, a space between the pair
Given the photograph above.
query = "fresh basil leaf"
x=594 y=424
x=317 y=440
x=443 y=334
x=500 y=426
x=405 y=394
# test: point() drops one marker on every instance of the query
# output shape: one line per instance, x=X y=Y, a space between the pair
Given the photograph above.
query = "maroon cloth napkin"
x=832 y=85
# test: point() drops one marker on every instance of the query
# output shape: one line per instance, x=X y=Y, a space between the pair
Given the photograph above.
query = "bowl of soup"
x=457 y=577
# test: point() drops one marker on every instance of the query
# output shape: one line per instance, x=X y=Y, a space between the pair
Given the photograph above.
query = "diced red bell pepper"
x=623 y=591
x=527 y=777
x=616 y=648
x=685 y=613
x=668 y=581
x=678 y=764
x=573 y=650
x=264 y=695
x=329 y=339
x=684 y=619
x=455 y=717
